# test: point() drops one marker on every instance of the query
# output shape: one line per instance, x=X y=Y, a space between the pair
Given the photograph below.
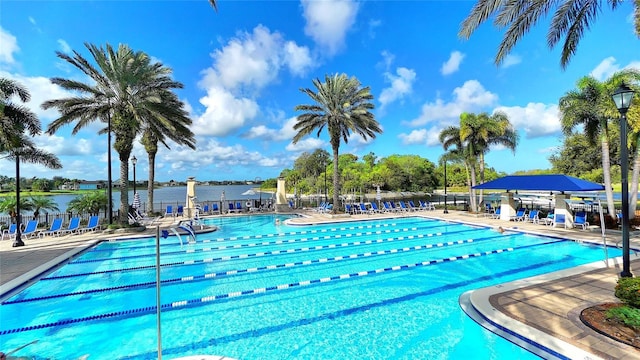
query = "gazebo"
x=555 y=182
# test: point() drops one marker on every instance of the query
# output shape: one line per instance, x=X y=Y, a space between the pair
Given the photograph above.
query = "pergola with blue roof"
x=554 y=182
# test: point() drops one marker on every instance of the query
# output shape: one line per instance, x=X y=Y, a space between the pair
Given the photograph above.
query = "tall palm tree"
x=570 y=20
x=155 y=131
x=343 y=106
x=457 y=149
x=125 y=91
x=482 y=131
x=17 y=125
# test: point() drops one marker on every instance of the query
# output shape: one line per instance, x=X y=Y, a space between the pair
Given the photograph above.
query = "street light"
x=18 y=238
x=445 y=187
x=134 y=161
x=622 y=97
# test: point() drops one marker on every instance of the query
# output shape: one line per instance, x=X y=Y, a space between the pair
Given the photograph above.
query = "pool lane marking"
x=243 y=256
x=207 y=299
x=304 y=232
x=262 y=268
x=267 y=243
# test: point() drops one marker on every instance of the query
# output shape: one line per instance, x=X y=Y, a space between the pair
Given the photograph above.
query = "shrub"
x=628 y=290
x=625 y=314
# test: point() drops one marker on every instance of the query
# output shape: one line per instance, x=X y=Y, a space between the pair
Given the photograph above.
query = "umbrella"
x=136 y=201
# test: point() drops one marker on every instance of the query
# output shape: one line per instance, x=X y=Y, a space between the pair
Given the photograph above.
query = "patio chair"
x=559 y=219
x=74 y=225
x=31 y=230
x=413 y=206
x=375 y=208
x=205 y=209
x=496 y=214
x=547 y=220
x=403 y=206
x=348 y=209
x=169 y=211
x=54 y=230
x=180 y=211
x=532 y=217
x=215 y=209
x=364 y=210
x=581 y=220
x=9 y=232
x=92 y=225
x=520 y=215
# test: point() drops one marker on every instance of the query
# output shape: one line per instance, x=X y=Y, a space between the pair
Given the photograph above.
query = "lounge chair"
x=496 y=214
x=520 y=215
x=169 y=211
x=388 y=207
x=403 y=206
x=532 y=217
x=74 y=225
x=426 y=205
x=375 y=208
x=180 y=211
x=239 y=207
x=205 y=209
x=348 y=209
x=31 y=230
x=9 y=232
x=54 y=230
x=547 y=220
x=581 y=220
x=413 y=206
x=364 y=210
x=559 y=219
x=92 y=225
x=215 y=209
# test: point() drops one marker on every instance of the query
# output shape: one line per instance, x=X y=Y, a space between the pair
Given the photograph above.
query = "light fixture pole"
x=134 y=161
x=445 y=187
x=622 y=98
x=109 y=181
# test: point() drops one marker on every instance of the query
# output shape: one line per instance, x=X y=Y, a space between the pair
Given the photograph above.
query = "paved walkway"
x=550 y=304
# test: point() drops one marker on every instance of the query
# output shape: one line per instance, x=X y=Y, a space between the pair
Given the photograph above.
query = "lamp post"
x=134 y=161
x=445 y=187
x=622 y=97
x=18 y=238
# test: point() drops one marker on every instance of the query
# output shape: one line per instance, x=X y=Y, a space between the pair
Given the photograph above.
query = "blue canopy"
x=541 y=183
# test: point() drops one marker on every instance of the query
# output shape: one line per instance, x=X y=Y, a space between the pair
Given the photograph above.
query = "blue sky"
x=242 y=69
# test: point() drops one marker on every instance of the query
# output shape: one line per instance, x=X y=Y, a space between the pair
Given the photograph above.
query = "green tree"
x=42 y=203
x=575 y=157
x=343 y=106
x=8 y=206
x=126 y=90
x=18 y=125
x=459 y=151
x=91 y=202
x=482 y=131
x=41 y=185
x=570 y=20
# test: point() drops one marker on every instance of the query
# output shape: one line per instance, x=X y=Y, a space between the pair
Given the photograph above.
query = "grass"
x=627 y=315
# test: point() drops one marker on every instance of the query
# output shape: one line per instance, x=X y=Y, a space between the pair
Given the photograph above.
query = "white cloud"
x=286 y=132
x=511 y=60
x=61 y=146
x=373 y=25
x=429 y=137
x=605 y=68
x=328 y=22
x=471 y=96
x=536 y=119
x=401 y=85
x=453 y=64
x=8 y=46
x=307 y=144
x=64 y=46
x=224 y=113
x=387 y=59
x=297 y=58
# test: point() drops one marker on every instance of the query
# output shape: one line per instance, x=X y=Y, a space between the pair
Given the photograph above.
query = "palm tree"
x=8 y=205
x=44 y=203
x=570 y=20
x=481 y=131
x=460 y=151
x=17 y=125
x=126 y=92
x=155 y=131
x=91 y=202
x=342 y=106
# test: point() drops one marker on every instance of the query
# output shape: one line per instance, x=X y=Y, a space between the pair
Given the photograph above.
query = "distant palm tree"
x=17 y=127
x=342 y=106
x=157 y=130
x=482 y=131
x=44 y=203
x=457 y=150
x=126 y=89
x=91 y=203
x=570 y=20
x=8 y=205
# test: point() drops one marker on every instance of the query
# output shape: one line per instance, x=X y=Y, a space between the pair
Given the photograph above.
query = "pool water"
x=377 y=289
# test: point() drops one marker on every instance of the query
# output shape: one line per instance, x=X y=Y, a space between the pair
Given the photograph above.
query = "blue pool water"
x=378 y=289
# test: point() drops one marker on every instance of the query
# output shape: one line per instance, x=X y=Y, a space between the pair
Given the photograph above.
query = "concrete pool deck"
x=547 y=306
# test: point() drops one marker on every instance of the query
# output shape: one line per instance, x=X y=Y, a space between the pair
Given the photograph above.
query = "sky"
x=243 y=67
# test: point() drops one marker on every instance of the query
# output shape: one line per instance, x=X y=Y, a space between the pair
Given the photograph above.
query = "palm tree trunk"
x=472 y=191
x=481 y=177
x=124 y=189
x=152 y=175
x=606 y=172
x=336 y=179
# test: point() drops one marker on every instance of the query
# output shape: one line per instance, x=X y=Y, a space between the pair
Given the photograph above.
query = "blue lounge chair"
x=92 y=225
x=348 y=209
x=496 y=214
x=364 y=210
x=74 y=225
x=169 y=211
x=581 y=220
x=532 y=217
x=375 y=208
x=205 y=209
x=31 y=230
x=559 y=219
x=215 y=209
x=180 y=211
x=239 y=206
x=404 y=207
x=388 y=207
x=9 y=232
x=54 y=230
x=520 y=215
x=548 y=220
x=413 y=206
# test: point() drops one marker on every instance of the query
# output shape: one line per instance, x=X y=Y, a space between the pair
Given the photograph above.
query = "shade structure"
x=553 y=182
x=136 y=200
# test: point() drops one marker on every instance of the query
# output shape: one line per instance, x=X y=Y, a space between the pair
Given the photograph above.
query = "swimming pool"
x=255 y=290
